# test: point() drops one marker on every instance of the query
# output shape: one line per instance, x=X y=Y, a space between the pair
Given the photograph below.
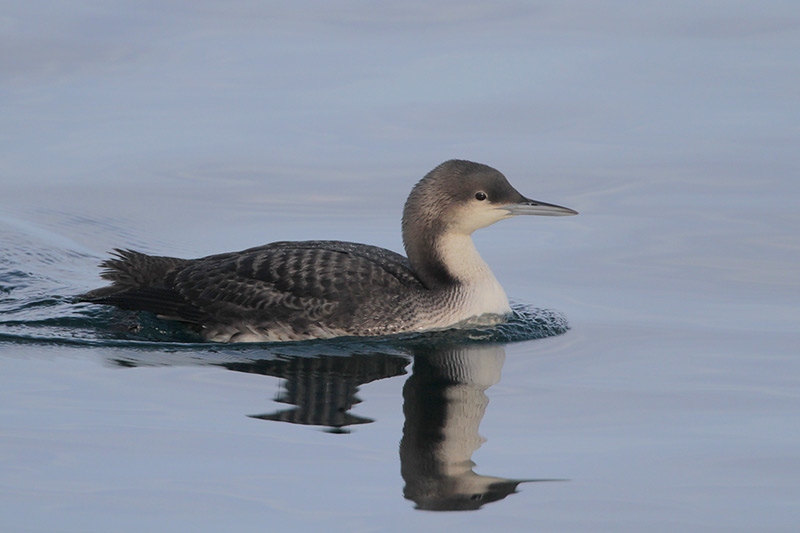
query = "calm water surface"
x=671 y=403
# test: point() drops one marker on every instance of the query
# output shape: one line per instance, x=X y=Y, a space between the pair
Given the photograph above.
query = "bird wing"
x=279 y=279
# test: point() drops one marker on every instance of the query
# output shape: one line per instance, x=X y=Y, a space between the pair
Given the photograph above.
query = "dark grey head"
x=462 y=196
x=459 y=197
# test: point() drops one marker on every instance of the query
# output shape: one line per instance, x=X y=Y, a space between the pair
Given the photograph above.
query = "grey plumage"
x=317 y=289
x=279 y=286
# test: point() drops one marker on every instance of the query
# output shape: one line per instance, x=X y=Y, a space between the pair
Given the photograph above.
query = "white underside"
x=480 y=304
x=276 y=333
x=477 y=300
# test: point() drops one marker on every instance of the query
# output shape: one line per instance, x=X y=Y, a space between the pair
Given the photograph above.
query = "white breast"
x=479 y=292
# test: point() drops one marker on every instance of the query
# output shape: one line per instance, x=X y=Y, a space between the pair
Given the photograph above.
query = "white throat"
x=481 y=291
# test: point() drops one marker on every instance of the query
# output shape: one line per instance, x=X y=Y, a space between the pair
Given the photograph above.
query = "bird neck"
x=444 y=259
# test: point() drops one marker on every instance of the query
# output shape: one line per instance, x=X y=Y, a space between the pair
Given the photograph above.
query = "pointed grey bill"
x=535 y=207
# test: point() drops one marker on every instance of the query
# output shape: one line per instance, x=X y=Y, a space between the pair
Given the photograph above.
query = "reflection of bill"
x=444 y=403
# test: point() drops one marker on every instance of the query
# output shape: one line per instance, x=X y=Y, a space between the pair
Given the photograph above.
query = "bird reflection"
x=323 y=389
x=444 y=402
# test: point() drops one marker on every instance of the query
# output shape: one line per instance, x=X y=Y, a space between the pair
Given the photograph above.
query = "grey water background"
x=191 y=128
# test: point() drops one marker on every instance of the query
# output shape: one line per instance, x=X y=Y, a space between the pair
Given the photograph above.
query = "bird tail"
x=131 y=270
x=139 y=282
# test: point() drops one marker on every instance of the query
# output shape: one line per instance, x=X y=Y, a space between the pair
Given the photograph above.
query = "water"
x=670 y=404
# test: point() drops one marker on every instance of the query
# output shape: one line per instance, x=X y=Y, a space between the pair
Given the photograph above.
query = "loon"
x=291 y=291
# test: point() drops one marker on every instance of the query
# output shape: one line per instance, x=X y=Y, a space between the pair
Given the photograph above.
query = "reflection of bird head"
x=444 y=403
x=467 y=493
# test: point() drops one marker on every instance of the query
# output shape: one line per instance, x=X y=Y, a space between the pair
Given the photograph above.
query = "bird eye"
x=480 y=196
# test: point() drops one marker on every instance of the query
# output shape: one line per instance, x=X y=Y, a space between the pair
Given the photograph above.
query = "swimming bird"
x=288 y=291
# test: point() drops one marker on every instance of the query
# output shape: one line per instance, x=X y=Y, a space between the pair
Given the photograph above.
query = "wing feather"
x=321 y=278
x=295 y=285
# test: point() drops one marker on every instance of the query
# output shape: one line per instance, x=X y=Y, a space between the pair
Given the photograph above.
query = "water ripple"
x=55 y=321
